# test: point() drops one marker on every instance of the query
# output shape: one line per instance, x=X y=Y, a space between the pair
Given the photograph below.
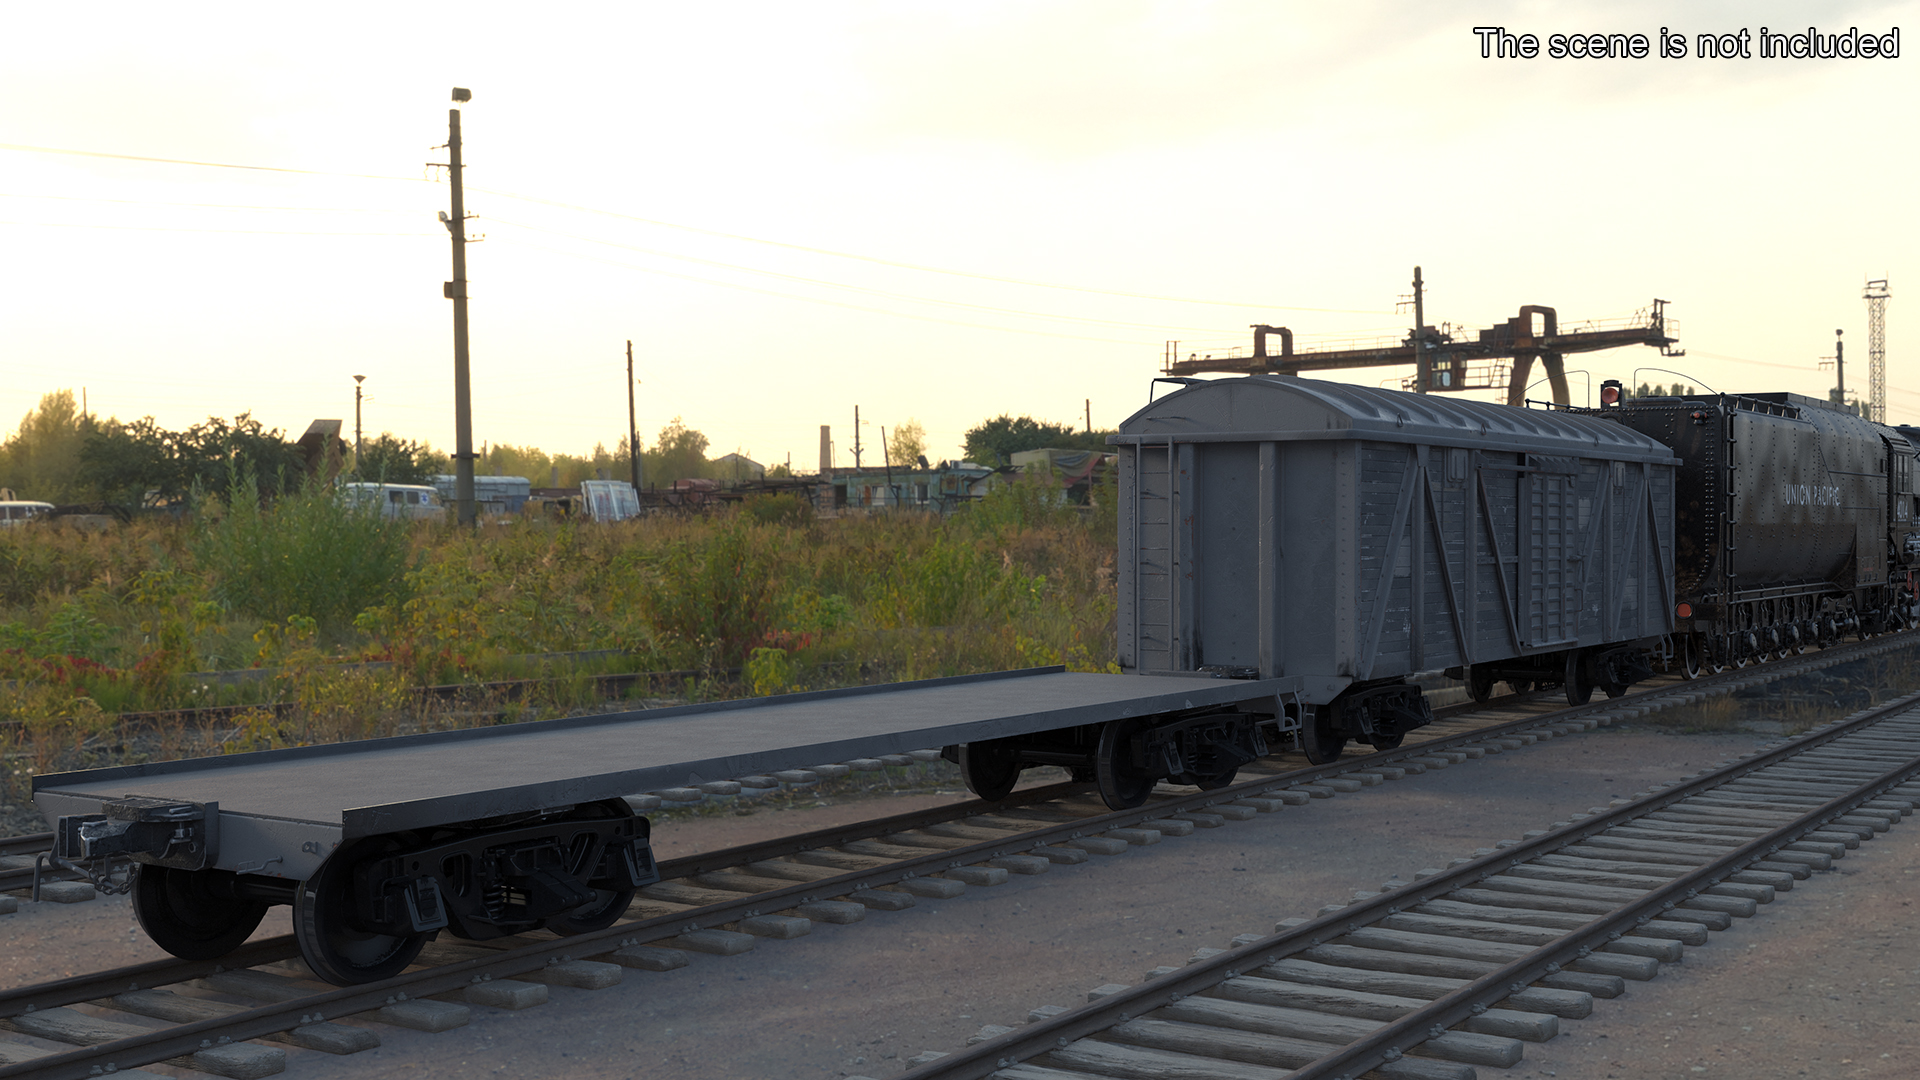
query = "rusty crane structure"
x=1448 y=359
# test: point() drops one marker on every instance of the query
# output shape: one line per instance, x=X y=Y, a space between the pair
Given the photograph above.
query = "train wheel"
x=335 y=950
x=1520 y=686
x=1120 y=787
x=1579 y=687
x=607 y=905
x=1688 y=650
x=184 y=914
x=1386 y=742
x=1217 y=780
x=990 y=771
x=1479 y=683
x=1320 y=736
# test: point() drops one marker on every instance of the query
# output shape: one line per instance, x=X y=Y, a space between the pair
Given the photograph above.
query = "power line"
x=204 y=164
x=916 y=266
x=817 y=300
x=166 y=228
x=853 y=288
x=213 y=206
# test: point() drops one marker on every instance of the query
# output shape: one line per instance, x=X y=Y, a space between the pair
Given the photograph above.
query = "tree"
x=131 y=464
x=995 y=441
x=906 y=443
x=679 y=454
x=142 y=463
x=42 y=460
x=392 y=460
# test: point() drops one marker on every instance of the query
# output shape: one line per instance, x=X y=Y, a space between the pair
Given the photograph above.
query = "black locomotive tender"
x=1292 y=552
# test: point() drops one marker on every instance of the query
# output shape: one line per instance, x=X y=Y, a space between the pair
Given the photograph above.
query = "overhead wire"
x=852 y=288
x=717 y=233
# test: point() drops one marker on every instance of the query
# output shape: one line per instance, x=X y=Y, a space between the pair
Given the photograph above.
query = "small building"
x=733 y=468
x=941 y=489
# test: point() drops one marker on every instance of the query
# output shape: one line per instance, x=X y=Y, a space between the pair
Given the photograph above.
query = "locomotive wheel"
x=184 y=915
x=1689 y=650
x=1579 y=687
x=1479 y=683
x=1120 y=789
x=1320 y=737
x=335 y=950
x=1520 y=686
x=608 y=904
x=990 y=771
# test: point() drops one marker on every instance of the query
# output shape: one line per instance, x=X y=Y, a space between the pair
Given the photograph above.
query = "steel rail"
x=133 y=1052
x=1392 y=1041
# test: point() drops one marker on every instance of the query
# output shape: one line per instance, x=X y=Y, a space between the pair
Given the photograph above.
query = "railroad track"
x=1466 y=965
x=723 y=902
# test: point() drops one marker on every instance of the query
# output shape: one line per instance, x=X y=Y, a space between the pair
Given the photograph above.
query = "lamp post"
x=357 y=380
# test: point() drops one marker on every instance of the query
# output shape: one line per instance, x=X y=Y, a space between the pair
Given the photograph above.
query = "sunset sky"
x=938 y=210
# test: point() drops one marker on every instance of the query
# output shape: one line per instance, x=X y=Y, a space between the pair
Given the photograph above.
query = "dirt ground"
x=1824 y=983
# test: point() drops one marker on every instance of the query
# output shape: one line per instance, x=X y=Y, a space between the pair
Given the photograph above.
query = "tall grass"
x=309 y=554
x=762 y=602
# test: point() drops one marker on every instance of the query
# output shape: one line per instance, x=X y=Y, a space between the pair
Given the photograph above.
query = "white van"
x=406 y=502
x=19 y=512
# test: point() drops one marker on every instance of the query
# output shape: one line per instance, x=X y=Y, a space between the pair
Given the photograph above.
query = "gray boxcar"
x=1342 y=538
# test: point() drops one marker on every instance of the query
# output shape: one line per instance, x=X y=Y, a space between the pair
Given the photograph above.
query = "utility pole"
x=1423 y=363
x=357 y=380
x=856 y=436
x=633 y=430
x=1876 y=298
x=456 y=291
x=1089 y=416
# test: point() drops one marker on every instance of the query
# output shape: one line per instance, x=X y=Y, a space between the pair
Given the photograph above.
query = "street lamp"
x=357 y=380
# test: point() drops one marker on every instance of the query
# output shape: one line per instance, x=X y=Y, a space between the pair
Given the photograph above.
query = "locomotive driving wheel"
x=990 y=770
x=189 y=914
x=1690 y=663
x=323 y=911
x=1122 y=787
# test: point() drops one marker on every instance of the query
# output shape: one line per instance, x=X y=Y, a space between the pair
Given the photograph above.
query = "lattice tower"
x=1876 y=296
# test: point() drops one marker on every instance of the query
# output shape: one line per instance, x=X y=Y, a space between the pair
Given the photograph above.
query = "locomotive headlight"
x=1610 y=394
x=1684 y=611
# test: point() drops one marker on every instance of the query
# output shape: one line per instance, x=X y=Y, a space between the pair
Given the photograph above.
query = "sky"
x=939 y=211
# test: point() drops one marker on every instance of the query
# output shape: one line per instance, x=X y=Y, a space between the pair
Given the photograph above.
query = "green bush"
x=306 y=554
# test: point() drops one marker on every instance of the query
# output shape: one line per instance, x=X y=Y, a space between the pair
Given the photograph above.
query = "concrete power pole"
x=456 y=291
x=856 y=436
x=357 y=380
x=1876 y=297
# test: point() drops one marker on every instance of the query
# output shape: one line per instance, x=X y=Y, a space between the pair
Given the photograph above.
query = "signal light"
x=1684 y=611
x=1610 y=392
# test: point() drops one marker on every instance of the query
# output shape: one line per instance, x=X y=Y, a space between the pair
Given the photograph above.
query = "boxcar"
x=1344 y=537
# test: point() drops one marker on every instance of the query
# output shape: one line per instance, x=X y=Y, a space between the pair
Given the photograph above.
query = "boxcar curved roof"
x=1262 y=408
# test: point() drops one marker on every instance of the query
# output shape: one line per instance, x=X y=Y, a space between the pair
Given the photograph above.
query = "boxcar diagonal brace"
x=1383 y=584
x=1508 y=604
x=1460 y=637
